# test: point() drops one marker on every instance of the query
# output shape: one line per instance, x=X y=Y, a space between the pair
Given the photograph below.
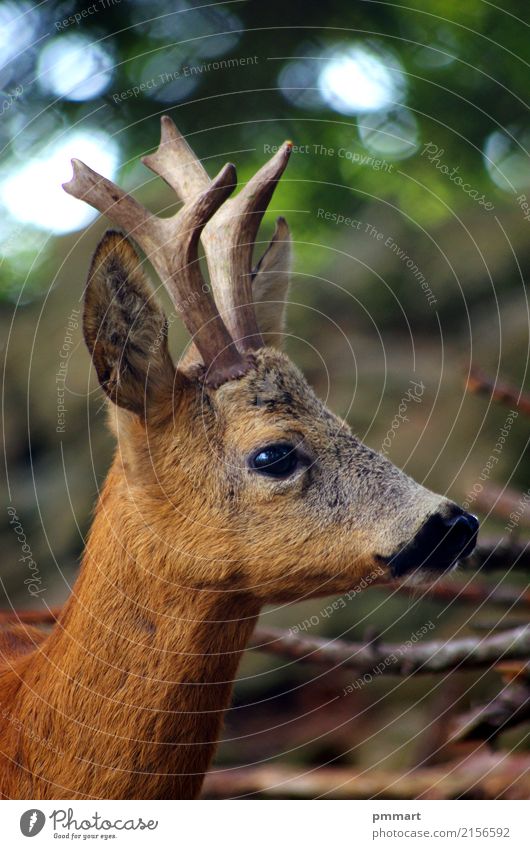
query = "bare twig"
x=476 y=593
x=434 y=656
x=482 y=384
x=485 y=775
x=495 y=555
x=507 y=710
x=503 y=502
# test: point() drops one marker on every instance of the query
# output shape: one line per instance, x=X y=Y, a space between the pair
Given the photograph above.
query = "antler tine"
x=176 y=163
x=171 y=245
x=229 y=236
x=109 y=199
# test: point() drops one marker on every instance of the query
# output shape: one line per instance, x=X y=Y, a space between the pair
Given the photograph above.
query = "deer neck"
x=150 y=663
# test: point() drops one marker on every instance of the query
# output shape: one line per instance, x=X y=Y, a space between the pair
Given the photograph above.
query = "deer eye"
x=275 y=461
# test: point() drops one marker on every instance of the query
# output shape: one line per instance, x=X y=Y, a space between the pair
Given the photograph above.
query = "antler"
x=172 y=246
x=229 y=237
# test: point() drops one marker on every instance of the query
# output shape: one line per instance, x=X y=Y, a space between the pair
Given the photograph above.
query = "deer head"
x=273 y=493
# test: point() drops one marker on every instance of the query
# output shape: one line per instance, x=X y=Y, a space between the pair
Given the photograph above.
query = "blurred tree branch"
x=479 y=383
x=483 y=775
x=502 y=501
x=508 y=709
x=433 y=656
x=493 y=555
x=474 y=592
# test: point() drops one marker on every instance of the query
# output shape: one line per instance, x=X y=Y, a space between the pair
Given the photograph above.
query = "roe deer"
x=232 y=487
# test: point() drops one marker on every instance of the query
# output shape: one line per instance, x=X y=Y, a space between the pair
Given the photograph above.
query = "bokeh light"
x=167 y=78
x=74 y=68
x=391 y=133
x=205 y=31
x=33 y=194
x=362 y=79
x=507 y=159
x=299 y=83
x=18 y=26
x=439 y=48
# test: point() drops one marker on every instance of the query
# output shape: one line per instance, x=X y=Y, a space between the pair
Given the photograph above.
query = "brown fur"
x=124 y=698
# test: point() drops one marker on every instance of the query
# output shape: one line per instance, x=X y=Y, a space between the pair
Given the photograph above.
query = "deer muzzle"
x=439 y=544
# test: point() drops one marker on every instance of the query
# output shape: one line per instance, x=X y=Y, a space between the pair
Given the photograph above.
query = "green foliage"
x=462 y=67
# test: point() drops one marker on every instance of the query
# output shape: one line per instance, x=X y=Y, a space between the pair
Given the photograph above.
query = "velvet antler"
x=229 y=236
x=171 y=245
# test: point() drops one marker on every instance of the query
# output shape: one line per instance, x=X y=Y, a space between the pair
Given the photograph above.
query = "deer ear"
x=124 y=327
x=271 y=283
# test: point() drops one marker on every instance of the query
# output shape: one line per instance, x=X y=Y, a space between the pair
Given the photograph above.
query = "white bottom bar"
x=265 y=824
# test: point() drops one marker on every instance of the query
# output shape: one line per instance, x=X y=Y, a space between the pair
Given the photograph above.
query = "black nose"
x=460 y=533
x=439 y=544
